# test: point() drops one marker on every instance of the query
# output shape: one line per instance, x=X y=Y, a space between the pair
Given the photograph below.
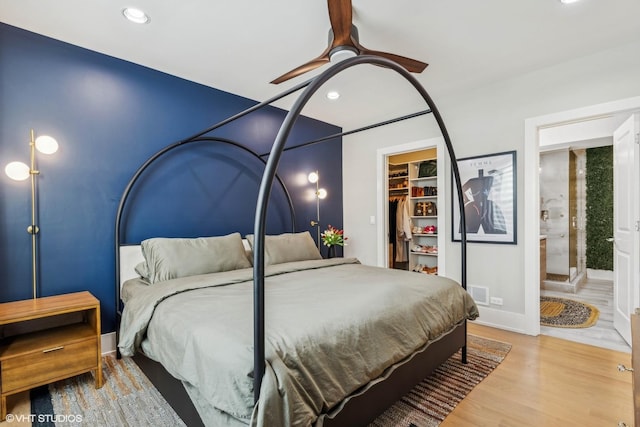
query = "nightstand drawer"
x=50 y=364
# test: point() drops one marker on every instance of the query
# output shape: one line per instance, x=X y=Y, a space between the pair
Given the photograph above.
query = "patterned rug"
x=129 y=399
x=567 y=313
x=429 y=403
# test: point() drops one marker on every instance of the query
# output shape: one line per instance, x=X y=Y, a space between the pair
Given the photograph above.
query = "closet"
x=415 y=212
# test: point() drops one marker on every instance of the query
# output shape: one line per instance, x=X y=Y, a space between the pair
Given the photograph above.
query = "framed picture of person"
x=489 y=194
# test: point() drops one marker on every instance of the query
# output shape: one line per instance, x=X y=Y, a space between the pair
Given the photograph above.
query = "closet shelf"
x=424 y=253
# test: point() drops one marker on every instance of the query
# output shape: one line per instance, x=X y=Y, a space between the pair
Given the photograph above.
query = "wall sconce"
x=321 y=193
x=19 y=171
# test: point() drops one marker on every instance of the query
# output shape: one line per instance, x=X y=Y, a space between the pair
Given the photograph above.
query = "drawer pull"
x=60 y=347
x=623 y=368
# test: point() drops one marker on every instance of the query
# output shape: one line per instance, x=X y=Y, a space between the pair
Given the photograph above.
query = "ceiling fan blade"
x=412 y=65
x=340 y=15
x=311 y=65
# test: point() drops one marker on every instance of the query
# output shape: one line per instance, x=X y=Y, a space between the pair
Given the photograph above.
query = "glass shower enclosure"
x=562 y=217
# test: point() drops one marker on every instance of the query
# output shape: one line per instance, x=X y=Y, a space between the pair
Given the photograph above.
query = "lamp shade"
x=46 y=144
x=17 y=171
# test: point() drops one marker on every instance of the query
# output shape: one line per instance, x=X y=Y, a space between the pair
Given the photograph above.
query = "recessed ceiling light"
x=135 y=15
x=333 y=95
x=569 y=1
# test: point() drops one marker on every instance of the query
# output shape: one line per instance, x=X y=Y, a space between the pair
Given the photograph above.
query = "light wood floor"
x=547 y=381
x=543 y=382
x=600 y=294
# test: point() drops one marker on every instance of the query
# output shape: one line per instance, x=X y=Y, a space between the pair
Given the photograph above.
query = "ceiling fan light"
x=341 y=53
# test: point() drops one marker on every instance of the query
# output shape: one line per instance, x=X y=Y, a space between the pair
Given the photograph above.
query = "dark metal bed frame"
x=359 y=410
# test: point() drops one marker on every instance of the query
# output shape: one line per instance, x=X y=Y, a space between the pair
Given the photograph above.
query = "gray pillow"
x=288 y=247
x=170 y=258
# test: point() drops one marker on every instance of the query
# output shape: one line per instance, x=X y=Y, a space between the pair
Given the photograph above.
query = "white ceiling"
x=240 y=46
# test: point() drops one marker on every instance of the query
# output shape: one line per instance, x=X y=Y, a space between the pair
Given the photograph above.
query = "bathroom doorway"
x=626 y=237
x=576 y=226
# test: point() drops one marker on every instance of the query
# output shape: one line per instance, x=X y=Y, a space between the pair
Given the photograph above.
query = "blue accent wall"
x=109 y=116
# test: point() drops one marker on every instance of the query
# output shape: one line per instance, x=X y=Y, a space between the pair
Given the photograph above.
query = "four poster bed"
x=335 y=343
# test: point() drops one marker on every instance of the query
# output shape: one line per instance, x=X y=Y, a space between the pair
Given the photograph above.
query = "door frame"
x=531 y=220
x=382 y=207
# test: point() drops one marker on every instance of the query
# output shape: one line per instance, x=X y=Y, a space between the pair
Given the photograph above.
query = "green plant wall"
x=599 y=208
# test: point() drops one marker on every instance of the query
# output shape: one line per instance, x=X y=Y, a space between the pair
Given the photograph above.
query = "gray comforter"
x=331 y=327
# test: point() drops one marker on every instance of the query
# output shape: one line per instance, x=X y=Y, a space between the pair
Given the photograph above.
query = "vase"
x=331 y=251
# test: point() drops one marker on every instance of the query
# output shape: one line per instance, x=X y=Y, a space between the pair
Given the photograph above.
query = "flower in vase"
x=333 y=237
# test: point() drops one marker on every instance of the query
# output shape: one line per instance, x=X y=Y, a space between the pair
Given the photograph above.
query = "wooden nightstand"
x=48 y=339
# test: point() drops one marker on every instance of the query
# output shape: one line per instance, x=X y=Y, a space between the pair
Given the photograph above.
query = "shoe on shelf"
x=430 y=229
x=431 y=270
x=417 y=248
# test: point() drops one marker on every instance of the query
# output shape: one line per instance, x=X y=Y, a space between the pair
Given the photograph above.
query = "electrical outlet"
x=496 y=301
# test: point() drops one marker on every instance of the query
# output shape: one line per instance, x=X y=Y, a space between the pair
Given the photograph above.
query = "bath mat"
x=567 y=313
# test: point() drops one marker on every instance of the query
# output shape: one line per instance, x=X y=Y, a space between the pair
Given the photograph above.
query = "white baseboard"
x=507 y=320
x=599 y=274
x=108 y=343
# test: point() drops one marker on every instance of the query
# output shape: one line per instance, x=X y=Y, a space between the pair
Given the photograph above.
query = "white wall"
x=483 y=121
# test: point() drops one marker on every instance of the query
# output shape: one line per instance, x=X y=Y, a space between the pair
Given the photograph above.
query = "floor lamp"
x=321 y=193
x=19 y=171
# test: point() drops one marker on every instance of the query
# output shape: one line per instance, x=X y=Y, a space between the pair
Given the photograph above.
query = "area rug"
x=129 y=399
x=567 y=313
x=429 y=403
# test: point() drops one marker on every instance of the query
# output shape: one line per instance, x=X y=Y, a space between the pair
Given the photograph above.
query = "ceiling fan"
x=344 y=42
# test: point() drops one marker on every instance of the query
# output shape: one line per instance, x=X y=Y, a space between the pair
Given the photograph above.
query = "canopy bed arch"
x=362 y=400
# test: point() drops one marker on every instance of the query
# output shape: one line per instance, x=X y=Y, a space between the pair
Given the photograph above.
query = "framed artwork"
x=489 y=192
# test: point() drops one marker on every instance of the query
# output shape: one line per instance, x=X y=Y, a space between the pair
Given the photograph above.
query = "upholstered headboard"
x=130 y=256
